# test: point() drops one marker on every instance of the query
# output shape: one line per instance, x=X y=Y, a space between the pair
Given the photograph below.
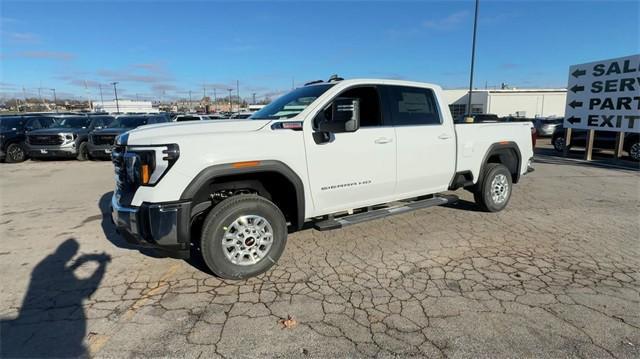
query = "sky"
x=163 y=49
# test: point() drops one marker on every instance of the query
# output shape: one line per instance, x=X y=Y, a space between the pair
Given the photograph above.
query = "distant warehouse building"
x=529 y=103
x=124 y=106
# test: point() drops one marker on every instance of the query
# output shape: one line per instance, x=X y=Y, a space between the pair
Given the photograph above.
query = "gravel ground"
x=557 y=274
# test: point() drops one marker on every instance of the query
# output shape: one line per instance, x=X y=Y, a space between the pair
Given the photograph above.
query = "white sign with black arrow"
x=604 y=95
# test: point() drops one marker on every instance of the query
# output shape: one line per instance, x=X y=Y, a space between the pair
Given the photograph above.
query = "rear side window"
x=411 y=106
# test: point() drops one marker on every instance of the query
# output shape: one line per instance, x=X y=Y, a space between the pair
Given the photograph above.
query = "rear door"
x=426 y=144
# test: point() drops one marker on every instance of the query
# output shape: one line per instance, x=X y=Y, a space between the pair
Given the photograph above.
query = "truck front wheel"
x=494 y=189
x=243 y=236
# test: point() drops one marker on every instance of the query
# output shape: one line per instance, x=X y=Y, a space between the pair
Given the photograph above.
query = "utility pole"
x=254 y=98
x=115 y=92
x=230 y=91
x=215 y=99
x=101 y=99
x=190 y=109
x=238 y=93
x=24 y=93
x=86 y=90
x=473 y=59
x=55 y=99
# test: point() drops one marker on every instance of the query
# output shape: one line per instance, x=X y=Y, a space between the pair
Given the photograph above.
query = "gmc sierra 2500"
x=328 y=154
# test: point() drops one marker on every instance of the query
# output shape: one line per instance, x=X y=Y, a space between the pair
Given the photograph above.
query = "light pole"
x=55 y=99
x=101 y=99
x=238 y=93
x=473 y=58
x=115 y=92
x=230 y=91
x=190 y=108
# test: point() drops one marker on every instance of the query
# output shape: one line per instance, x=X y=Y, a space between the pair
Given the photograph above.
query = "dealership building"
x=528 y=103
x=124 y=106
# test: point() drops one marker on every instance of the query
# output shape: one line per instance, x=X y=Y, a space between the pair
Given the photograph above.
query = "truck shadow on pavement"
x=52 y=321
x=112 y=235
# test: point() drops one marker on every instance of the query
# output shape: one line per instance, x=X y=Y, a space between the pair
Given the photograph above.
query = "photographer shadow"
x=51 y=321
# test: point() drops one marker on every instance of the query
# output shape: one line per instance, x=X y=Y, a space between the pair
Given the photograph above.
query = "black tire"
x=483 y=195
x=558 y=143
x=634 y=150
x=15 y=153
x=83 y=152
x=222 y=217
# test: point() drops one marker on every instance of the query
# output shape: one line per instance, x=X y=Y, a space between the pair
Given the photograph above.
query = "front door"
x=354 y=169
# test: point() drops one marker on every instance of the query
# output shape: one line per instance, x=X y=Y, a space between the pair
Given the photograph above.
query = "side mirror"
x=345 y=116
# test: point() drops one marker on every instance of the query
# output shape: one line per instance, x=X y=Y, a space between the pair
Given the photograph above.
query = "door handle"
x=444 y=136
x=383 y=140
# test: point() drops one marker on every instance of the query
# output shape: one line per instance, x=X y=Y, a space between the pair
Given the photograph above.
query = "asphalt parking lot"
x=557 y=274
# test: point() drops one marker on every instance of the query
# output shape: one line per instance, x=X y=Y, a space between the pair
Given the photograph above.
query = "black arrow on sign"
x=574 y=119
x=575 y=104
x=577 y=88
x=578 y=73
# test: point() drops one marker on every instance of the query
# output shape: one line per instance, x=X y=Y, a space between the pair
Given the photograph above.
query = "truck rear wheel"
x=243 y=236
x=494 y=190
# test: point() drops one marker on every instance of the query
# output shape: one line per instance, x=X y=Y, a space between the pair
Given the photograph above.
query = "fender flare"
x=494 y=148
x=206 y=175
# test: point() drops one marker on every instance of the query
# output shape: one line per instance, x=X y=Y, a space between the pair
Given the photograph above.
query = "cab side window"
x=412 y=106
x=369 y=105
x=33 y=124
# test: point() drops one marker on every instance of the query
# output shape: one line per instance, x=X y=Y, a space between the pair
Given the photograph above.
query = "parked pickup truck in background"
x=328 y=155
x=13 y=135
x=67 y=138
x=101 y=140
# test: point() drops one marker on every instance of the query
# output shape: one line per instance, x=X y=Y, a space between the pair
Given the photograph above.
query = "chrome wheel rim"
x=634 y=151
x=499 y=189
x=247 y=240
x=559 y=144
x=16 y=153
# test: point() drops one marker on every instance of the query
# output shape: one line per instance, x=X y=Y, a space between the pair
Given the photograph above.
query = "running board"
x=335 y=223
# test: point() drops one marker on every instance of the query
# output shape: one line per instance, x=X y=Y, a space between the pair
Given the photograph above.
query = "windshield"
x=291 y=104
x=73 y=122
x=128 y=122
x=9 y=123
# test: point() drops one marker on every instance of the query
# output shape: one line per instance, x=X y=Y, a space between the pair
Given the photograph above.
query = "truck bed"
x=475 y=139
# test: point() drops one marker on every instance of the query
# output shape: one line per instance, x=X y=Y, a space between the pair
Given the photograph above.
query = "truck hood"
x=164 y=132
x=57 y=130
x=110 y=131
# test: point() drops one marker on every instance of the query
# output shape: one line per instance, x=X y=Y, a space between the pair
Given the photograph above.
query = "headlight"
x=68 y=137
x=145 y=166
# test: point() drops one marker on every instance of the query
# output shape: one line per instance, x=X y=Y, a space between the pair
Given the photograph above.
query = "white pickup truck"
x=326 y=155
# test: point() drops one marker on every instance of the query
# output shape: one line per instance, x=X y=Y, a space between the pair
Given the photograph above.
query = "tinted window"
x=369 y=105
x=187 y=118
x=412 y=106
x=74 y=122
x=33 y=124
x=9 y=123
x=128 y=122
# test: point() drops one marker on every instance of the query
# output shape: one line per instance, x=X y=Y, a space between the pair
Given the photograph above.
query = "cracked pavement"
x=557 y=274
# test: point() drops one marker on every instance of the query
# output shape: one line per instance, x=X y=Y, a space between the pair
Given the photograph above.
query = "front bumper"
x=52 y=151
x=163 y=226
x=99 y=151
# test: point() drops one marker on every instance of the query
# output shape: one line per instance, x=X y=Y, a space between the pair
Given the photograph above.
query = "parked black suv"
x=67 y=138
x=13 y=135
x=603 y=139
x=102 y=140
